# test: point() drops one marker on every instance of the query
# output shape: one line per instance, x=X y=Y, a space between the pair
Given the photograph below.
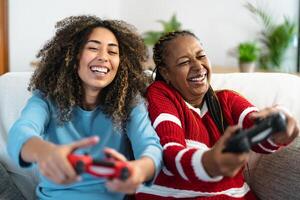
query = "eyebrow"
x=98 y=42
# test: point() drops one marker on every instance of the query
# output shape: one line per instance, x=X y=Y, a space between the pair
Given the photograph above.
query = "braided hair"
x=57 y=76
x=210 y=97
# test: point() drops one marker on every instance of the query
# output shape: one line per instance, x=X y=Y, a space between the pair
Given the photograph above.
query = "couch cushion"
x=263 y=89
x=277 y=176
x=13 y=96
x=8 y=190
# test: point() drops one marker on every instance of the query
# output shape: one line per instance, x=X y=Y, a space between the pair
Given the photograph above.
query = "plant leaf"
x=151 y=37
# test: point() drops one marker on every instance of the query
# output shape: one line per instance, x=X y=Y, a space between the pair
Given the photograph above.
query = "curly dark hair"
x=159 y=52
x=57 y=73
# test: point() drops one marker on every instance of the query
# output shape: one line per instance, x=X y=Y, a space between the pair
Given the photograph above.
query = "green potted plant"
x=248 y=53
x=275 y=38
x=151 y=37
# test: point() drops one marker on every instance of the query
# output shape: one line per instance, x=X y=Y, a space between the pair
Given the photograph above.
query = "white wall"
x=31 y=24
x=220 y=25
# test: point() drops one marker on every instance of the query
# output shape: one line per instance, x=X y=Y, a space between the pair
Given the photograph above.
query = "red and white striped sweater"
x=186 y=133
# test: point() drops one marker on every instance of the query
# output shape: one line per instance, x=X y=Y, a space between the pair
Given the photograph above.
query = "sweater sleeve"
x=240 y=109
x=144 y=140
x=179 y=159
x=31 y=123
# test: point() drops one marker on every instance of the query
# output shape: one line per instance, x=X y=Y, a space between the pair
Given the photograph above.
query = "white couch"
x=271 y=177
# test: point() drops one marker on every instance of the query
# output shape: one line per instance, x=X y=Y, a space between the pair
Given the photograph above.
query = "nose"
x=197 y=64
x=102 y=55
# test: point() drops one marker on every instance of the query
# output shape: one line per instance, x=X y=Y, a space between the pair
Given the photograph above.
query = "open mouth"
x=99 y=69
x=198 y=78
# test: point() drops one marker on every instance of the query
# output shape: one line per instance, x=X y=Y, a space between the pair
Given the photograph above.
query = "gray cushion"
x=8 y=190
x=277 y=176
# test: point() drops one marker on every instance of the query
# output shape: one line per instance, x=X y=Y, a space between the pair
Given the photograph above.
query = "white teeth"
x=99 y=69
x=198 y=78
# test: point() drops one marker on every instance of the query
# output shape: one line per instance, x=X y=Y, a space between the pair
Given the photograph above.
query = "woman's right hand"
x=218 y=163
x=52 y=159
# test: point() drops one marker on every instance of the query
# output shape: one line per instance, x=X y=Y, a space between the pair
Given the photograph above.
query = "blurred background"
x=220 y=25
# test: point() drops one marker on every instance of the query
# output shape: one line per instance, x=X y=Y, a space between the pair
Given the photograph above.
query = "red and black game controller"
x=109 y=168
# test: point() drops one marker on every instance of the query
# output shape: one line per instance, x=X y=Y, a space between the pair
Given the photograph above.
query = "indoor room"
x=247 y=47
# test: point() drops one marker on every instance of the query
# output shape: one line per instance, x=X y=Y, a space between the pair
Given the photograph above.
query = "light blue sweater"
x=38 y=118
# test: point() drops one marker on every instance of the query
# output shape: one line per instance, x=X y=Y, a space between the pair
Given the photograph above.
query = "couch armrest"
x=13 y=96
x=8 y=189
x=276 y=176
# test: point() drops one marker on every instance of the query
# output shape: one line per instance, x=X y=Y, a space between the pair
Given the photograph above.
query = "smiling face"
x=187 y=68
x=99 y=61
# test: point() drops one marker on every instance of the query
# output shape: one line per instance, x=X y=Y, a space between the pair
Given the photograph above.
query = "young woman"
x=191 y=119
x=87 y=98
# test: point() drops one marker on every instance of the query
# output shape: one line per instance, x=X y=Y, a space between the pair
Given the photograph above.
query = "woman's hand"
x=52 y=159
x=140 y=171
x=218 y=163
x=292 y=130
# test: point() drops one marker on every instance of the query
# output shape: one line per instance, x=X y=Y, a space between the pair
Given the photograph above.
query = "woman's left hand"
x=292 y=128
x=137 y=175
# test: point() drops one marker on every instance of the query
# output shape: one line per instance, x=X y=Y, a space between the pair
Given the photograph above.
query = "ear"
x=164 y=73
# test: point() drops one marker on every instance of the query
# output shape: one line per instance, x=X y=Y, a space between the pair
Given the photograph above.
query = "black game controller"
x=243 y=140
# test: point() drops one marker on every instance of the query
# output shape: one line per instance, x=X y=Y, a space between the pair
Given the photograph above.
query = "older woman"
x=194 y=122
